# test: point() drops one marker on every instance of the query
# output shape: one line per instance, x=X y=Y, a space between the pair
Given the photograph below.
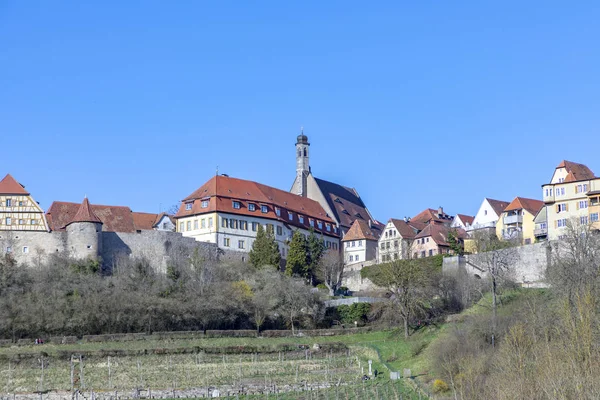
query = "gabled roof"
x=466 y=219
x=346 y=204
x=430 y=215
x=439 y=233
x=575 y=171
x=222 y=191
x=360 y=230
x=497 y=205
x=113 y=218
x=407 y=230
x=531 y=205
x=9 y=185
x=85 y=214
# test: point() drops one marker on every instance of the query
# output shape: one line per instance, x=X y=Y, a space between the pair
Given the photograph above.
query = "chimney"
x=405 y=219
x=440 y=212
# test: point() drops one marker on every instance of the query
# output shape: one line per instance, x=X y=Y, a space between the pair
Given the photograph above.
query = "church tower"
x=302 y=164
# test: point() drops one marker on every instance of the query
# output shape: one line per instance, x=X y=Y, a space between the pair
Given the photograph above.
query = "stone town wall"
x=32 y=248
x=158 y=247
x=355 y=282
x=530 y=266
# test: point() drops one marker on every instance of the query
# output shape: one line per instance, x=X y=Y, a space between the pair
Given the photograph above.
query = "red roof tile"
x=407 y=230
x=428 y=215
x=439 y=233
x=531 y=205
x=85 y=214
x=498 y=205
x=144 y=221
x=360 y=230
x=576 y=172
x=9 y=185
x=466 y=219
x=222 y=191
x=114 y=218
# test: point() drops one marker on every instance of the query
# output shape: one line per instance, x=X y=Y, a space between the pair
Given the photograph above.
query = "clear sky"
x=416 y=104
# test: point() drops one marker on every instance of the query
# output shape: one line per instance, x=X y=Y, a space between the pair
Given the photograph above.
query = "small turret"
x=84 y=233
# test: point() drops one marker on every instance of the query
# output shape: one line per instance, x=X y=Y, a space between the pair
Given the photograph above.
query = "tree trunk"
x=331 y=291
x=292 y=321
x=494 y=311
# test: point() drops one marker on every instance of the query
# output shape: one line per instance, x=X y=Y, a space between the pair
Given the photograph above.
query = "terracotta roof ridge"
x=9 y=185
x=85 y=214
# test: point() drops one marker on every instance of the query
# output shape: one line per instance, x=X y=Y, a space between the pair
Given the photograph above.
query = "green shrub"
x=355 y=312
x=439 y=386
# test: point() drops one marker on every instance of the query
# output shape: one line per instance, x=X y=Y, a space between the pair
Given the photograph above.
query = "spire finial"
x=217 y=173
x=302 y=130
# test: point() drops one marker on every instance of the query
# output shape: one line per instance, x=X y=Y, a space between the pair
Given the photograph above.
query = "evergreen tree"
x=316 y=249
x=265 y=250
x=297 y=259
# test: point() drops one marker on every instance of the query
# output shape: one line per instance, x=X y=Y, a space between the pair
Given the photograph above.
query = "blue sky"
x=416 y=104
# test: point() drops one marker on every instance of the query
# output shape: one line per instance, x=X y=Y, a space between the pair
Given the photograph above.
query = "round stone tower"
x=84 y=233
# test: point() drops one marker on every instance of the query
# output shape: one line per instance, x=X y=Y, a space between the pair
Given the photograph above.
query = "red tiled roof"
x=576 y=172
x=144 y=221
x=407 y=230
x=360 y=230
x=439 y=233
x=221 y=191
x=346 y=205
x=9 y=185
x=85 y=214
x=428 y=215
x=498 y=205
x=114 y=218
x=531 y=205
x=466 y=219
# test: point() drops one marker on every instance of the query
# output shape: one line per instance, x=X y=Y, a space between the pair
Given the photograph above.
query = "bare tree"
x=331 y=271
x=497 y=260
x=409 y=282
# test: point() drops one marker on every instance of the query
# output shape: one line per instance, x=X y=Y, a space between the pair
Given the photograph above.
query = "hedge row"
x=225 y=350
x=190 y=335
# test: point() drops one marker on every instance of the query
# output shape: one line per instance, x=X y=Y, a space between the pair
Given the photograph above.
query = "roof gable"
x=532 y=206
x=497 y=205
x=9 y=185
x=574 y=172
x=360 y=230
x=406 y=229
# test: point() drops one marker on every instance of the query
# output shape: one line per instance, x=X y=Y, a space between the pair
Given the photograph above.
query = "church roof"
x=347 y=205
x=85 y=214
x=8 y=185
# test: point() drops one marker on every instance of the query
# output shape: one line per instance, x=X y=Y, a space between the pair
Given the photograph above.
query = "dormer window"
x=264 y=209
x=237 y=205
x=300 y=219
x=290 y=216
x=328 y=228
x=337 y=200
x=278 y=211
x=188 y=206
x=252 y=207
x=204 y=204
x=320 y=224
x=345 y=212
x=311 y=222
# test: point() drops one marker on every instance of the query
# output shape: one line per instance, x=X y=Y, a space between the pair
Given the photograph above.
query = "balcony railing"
x=481 y=226
x=540 y=232
x=513 y=219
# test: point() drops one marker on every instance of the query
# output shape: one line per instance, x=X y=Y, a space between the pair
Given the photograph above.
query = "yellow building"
x=517 y=220
x=571 y=197
x=18 y=210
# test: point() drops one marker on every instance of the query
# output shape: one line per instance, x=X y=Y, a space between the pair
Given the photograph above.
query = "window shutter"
x=566 y=206
x=557 y=208
x=556 y=224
